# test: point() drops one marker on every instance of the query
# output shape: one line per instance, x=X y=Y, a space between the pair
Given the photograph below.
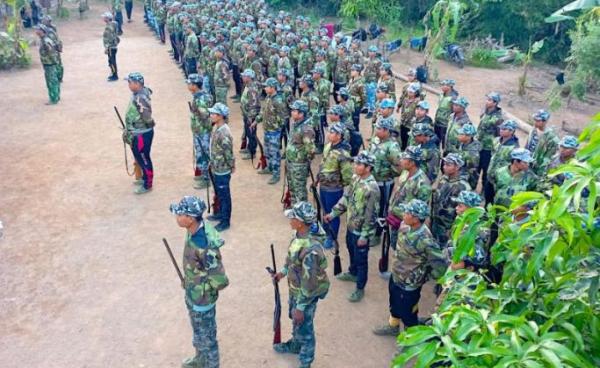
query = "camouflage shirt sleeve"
x=314 y=282
x=435 y=258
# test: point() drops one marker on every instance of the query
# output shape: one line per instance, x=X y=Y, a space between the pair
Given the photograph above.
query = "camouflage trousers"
x=296 y=175
x=61 y=69
x=51 y=74
x=201 y=147
x=303 y=336
x=273 y=152
x=204 y=327
x=221 y=94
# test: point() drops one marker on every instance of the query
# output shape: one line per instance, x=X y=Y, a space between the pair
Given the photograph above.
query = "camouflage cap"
x=413 y=153
x=468 y=198
x=417 y=208
x=387 y=103
x=308 y=79
x=373 y=48
x=467 y=129
x=341 y=46
x=365 y=158
x=189 y=206
x=357 y=67
x=411 y=72
x=337 y=110
x=338 y=127
x=541 y=115
x=344 y=92
x=321 y=53
x=219 y=109
x=385 y=123
x=319 y=70
x=413 y=87
x=461 y=101
x=47 y=18
x=42 y=27
x=448 y=82
x=356 y=41
x=422 y=129
x=383 y=87
x=569 y=141
x=107 y=15
x=252 y=47
x=299 y=105
x=283 y=72
x=135 y=77
x=193 y=79
x=285 y=49
x=454 y=159
x=271 y=82
x=249 y=73
x=423 y=105
x=386 y=66
x=509 y=125
x=494 y=96
x=521 y=154
x=303 y=211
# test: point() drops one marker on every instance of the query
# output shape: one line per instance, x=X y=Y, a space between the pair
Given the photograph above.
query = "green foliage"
x=483 y=58
x=14 y=50
x=545 y=311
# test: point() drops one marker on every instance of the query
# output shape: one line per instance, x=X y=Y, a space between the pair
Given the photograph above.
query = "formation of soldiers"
x=311 y=91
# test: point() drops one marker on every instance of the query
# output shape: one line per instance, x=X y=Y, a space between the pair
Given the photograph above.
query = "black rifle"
x=315 y=192
x=385 y=246
x=174 y=262
x=124 y=144
x=262 y=161
x=277 y=311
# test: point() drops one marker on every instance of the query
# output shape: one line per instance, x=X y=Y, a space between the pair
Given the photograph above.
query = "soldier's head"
x=385 y=69
x=299 y=110
x=414 y=213
x=306 y=83
x=453 y=163
x=507 y=129
x=372 y=51
x=336 y=132
x=540 y=118
x=248 y=76
x=46 y=20
x=383 y=127
x=413 y=90
x=382 y=91
x=107 y=17
x=284 y=51
x=520 y=158
x=459 y=105
x=282 y=76
x=188 y=211
x=251 y=50
x=344 y=94
x=302 y=215
x=41 y=30
x=219 y=52
x=492 y=100
x=422 y=109
x=188 y=28
x=336 y=113
x=411 y=158
x=355 y=70
x=447 y=85
x=355 y=44
x=466 y=133
x=422 y=133
x=270 y=86
x=466 y=199
x=568 y=147
x=387 y=107
x=320 y=55
x=317 y=73
x=363 y=164
x=341 y=49
x=135 y=81
x=411 y=75
x=218 y=113
x=194 y=82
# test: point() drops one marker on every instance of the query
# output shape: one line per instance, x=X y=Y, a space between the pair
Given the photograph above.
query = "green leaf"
x=550 y=357
x=575 y=334
x=416 y=335
x=427 y=355
x=565 y=353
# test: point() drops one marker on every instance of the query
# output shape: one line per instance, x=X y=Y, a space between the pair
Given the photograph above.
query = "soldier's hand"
x=327 y=218
x=278 y=276
x=457 y=266
x=362 y=242
x=253 y=125
x=183 y=284
x=298 y=317
x=106 y=51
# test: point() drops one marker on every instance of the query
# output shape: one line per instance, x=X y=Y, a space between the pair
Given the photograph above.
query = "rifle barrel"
x=173 y=260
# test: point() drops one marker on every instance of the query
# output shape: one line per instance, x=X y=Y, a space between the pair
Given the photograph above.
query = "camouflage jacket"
x=543 y=147
x=110 y=39
x=192 y=49
x=387 y=158
x=301 y=144
x=501 y=154
x=312 y=100
x=417 y=186
x=443 y=207
x=53 y=34
x=306 y=269
x=361 y=201
x=200 y=117
x=371 y=71
x=236 y=53
x=161 y=14
x=488 y=128
x=357 y=56
x=138 y=117
x=272 y=66
x=250 y=101
x=287 y=93
x=507 y=185
x=204 y=274
x=305 y=62
x=285 y=64
x=335 y=170
x=325 y=65
x=470 y=154
x=341 y=72
x=322 y=89
x=444 y=110
x=255 y=65
x=272 y=112
x=48 y=53
x=356 y=87
x=431 y=158
x=417 y=255
x=452 y=133
x=221 y=76
x=117 y=5
x=407 y=111
x=221 y=150
x=391 y=84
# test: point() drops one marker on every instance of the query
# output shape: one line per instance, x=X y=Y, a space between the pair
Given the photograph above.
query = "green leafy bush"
x=483 y=58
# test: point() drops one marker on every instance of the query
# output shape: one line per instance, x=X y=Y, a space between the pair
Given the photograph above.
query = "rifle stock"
x=385 y=250
x=262 y=161
x=277 y=310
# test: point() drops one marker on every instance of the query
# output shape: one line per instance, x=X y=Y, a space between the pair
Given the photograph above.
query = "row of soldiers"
x=415 y=175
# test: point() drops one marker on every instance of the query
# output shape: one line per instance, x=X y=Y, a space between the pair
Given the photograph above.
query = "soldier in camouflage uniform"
x=284 y=61
x=458 y=118
x=191 y=51
x=346 y=102
x=110 y=41
x=429 y=144
x=361 y=202
x=299 y=151
x=53 y=34
x=250 y=106
x=273 y=62
x=416 y=258
x=321 y=63
x=236 y=53
x=514 y=178
x=49 y=58
x=487 y=131
x=335 y=173
x=272 y=115
x=322 y=90
x=306 y=269
x=221 y=76
x=407 y=112
x=139 y=129
x=503 y=146
x=356 y=87
x=412 y=184
x=386 y=77
x=384 y=109
x=387 y=153
x=222 y=163
x=566 y=152
x=356 y=54
x=542 y=143
x=308 y=95
x=305 y=58
x=450 y=185
x=442 y=114
x=201 y=128
x=469 y=149
x=411 y=79
x=204 y=276
x=371 y=73
x=341 y=71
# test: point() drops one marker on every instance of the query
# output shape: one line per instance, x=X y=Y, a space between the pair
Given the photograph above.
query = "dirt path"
x=84 y=278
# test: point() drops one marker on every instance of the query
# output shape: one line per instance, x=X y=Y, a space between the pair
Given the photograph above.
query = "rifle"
x=277 y=311
x=385 y=246
x=315 y=193
x=124 y=144
x=286 y=196
x=174 y=262
x=215 y=203
x=262 y=161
